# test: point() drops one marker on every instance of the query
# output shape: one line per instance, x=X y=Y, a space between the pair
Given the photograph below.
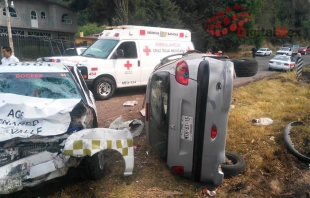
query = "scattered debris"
x=143 y=112
x=210 y=193
x=232 y=106
x=148 y=152
x=134 y=126
x=262 y=121
x=272 y=138
x=130 y=103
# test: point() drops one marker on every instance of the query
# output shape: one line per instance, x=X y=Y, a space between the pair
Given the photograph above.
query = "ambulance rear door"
x=152 y=51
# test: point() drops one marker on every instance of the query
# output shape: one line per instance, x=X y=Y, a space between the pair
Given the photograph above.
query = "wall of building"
x=53 y=16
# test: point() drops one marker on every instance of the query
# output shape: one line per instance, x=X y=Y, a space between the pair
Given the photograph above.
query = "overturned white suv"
x=48 y=121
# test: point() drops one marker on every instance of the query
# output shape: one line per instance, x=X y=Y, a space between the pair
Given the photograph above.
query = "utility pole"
x=8 y=16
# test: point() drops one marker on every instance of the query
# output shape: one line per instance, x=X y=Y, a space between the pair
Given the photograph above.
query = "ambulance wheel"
x=104 y=88
x=95 y=166
x=245 y=67
x=234 y=164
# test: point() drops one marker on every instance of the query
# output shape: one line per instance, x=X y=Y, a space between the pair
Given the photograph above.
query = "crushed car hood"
x=24 y=116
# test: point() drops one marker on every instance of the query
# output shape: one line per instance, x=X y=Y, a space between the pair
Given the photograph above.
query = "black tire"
x=237 y=167
x=104 y=88
x=269 y=69
x=289 y=144
x=245 y=67
x=95 y=166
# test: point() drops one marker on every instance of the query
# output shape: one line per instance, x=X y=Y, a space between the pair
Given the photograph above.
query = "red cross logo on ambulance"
x=146 y=50
x=128 y=65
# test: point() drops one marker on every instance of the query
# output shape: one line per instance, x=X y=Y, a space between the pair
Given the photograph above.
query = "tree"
x=90 y=28
x=165 y=13
x=121 y=11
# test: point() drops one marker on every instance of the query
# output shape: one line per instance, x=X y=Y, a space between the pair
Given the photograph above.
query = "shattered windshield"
x=285 y=49
x=42 y=85
x=100 y=49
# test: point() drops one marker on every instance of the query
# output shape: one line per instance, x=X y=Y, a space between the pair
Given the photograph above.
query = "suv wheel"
x=104 y=88
x=245 y=67
x=235 y=166
x=95 y=166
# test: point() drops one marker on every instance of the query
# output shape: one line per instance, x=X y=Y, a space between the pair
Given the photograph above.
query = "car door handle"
x=138 y=63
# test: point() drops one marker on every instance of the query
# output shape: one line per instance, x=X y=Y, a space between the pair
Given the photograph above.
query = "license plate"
x=187 y=128
x=278 y=63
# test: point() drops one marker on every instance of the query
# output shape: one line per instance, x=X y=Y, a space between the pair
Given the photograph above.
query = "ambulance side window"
x=129 y=48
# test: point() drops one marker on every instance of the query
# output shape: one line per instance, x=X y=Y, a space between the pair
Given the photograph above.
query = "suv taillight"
x=179 y=170
x=182 y=73
x=213 y=132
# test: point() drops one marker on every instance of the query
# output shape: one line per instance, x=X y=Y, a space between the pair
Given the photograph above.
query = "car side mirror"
x=120 y=53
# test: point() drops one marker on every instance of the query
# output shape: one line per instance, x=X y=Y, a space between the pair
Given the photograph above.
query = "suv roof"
x=30 y=67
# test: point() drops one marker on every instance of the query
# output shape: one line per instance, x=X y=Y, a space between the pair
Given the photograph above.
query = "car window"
x=262 y=49
x=43 y=85
x=281 y=58
x=83 y=84
x=100 y=49
x=129 y=48
x=71 y=52
x=159 y=99
x=285 y=48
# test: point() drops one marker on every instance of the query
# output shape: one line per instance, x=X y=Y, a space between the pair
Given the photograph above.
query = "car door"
x=126 y=63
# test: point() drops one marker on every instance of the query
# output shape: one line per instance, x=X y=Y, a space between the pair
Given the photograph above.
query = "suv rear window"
x=43 y=85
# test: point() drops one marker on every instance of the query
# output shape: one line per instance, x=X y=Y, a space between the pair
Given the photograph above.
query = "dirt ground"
x=293 y=183
x=109 y=110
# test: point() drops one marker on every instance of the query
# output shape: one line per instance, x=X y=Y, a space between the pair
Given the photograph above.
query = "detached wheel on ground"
x=245 y=67
x=289 y=144
x=104 y=88
x=234 y=164
x=95 y=166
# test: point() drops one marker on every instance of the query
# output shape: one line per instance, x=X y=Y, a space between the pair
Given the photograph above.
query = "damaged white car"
x=48 y=123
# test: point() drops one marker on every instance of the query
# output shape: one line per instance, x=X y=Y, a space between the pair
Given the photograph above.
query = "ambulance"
x=125 y=56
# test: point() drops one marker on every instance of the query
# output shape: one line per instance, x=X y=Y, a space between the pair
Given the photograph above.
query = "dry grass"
x=271 y=171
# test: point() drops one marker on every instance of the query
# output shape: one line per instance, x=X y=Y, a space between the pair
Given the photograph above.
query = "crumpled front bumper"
x=35 y=169
x=32 y=170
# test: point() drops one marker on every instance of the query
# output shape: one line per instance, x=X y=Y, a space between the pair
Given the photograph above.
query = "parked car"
x=187 y=105
x=48 y=121
x=263 y=52
x=282 y=62
x=284 y=51
x=75 y=51
x=295 y=49
x=304 y=50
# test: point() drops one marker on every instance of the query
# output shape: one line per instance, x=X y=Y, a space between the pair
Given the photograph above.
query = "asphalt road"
x=263 y=70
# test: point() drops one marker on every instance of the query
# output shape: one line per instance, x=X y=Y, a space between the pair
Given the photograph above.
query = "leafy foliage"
x=191 y=14
x=90 y=28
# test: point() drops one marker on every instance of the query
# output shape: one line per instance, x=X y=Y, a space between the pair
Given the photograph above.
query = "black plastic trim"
x=201 y=110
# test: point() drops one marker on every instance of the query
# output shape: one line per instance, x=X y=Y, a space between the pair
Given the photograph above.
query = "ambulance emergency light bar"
x=144 y=32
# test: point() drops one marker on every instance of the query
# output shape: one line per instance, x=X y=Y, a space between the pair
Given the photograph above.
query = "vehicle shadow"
x=130 y=91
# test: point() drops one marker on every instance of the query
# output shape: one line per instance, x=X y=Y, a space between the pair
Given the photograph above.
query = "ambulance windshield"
x=100 y=49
